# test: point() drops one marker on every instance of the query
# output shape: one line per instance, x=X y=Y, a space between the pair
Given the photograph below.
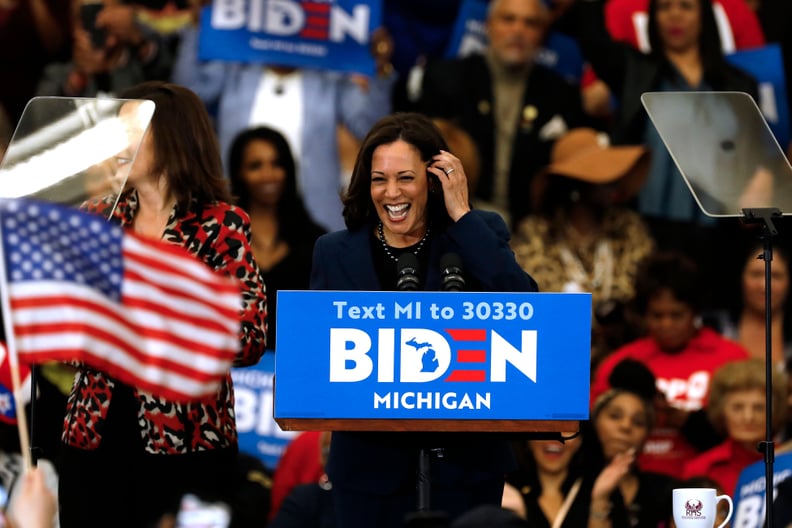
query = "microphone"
x=407 y=273
x=451 y=271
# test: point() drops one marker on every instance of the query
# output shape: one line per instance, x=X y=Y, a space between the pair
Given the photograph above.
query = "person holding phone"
x=89 y=11
x=409 y=195
x=111 y=51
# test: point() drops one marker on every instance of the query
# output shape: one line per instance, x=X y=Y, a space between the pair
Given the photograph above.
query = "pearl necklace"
x=386 y=247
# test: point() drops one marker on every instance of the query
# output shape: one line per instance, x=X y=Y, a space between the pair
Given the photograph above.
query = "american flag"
x=146 y=312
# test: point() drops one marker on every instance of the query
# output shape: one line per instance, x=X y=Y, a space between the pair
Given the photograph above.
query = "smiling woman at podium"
x=409 y=196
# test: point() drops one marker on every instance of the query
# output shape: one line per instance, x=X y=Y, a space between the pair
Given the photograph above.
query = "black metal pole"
x=766 y=447
x=424 y=480
x=35 y=452
x=764 y=217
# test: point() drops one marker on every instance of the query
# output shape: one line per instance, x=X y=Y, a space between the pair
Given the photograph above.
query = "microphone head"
x=407 y=260
x=450 y=261
x=407 y=272
x=451 y=271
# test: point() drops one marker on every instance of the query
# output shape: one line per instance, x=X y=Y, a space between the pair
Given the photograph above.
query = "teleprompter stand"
x=764 y=217
x=734 y=168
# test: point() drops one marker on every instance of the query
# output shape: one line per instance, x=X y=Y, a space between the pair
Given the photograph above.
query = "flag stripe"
x=91 y=347
x=172 y=304
x=51 y=342
x=39 y=340
x=75 y=302
x=34 y=296
x=163 y=382
x=192 y=280
x=146 y=298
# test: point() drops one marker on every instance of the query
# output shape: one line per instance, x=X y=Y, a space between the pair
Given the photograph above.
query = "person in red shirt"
x=738 y=25
x=681 y=353
x=301 y=463
x=628 y=21
x=737 y=407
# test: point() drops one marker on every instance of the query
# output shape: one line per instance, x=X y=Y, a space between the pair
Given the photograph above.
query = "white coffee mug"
x=697 y=507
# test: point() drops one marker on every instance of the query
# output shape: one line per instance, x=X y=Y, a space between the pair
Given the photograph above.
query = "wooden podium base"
x=495 y=426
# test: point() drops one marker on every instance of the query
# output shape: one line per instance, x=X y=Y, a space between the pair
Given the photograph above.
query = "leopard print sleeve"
x=235 y=256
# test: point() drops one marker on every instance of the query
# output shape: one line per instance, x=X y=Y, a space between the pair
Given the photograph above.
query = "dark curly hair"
x=413 y=128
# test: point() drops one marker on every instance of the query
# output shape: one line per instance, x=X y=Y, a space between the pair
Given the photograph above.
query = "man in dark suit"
x=513 y=108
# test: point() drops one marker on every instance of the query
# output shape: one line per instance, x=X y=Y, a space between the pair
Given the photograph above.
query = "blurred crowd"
x=572 y=163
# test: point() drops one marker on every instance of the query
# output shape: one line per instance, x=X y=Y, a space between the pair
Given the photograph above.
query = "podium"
x=433 y=361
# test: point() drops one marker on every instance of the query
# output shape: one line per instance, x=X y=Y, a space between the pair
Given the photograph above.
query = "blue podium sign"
x=432 y=355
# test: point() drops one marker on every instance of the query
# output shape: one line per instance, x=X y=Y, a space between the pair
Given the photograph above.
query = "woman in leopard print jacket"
x=130 y=456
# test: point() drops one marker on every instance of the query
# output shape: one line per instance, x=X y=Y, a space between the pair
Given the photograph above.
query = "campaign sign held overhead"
x=322 y=34
x=432 y=355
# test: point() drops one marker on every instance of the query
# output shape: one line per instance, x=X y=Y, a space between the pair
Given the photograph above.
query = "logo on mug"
x=693 y=509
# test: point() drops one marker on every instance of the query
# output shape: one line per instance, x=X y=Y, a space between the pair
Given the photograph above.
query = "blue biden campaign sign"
x=766 y=65
x=432 y=355
x=322 y=34
x=749 y=496
x=259 y=434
